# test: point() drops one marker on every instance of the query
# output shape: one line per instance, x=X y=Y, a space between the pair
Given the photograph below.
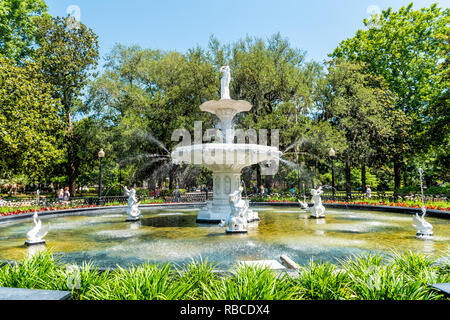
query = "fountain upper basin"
x=229 y=157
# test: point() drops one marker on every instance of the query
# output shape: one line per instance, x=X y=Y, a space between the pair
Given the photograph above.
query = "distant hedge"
x=430 y=190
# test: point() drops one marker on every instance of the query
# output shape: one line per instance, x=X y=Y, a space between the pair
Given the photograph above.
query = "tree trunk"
x=71 y=157
x=172 y=177
x=397 y=174
x=428 y=181
x=258 y=176
x=405 y=177
x=363 y=176
x=71 y=174
x=269 y=183
x=348 y=182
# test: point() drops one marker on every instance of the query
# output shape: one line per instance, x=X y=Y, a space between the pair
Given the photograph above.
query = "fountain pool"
x=173 y=235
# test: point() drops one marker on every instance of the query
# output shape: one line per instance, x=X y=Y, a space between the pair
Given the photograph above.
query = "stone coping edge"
x=430 y=212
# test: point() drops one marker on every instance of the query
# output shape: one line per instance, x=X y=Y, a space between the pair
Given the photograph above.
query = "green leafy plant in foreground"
x=250 y=283
x=143 y=282
x=397 y=276
x=375 y=277
x=321 y=282
x=34 y=273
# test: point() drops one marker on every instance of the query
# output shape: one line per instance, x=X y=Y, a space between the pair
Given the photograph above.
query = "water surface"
x=172 y=235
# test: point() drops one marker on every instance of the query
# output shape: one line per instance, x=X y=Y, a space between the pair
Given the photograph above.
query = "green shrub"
x=428 y=191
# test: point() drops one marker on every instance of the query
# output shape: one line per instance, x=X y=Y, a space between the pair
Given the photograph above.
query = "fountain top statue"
x=225 y=83
x=226 y=108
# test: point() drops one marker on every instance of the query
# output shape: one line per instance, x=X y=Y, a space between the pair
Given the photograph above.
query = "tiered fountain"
x=225 y=158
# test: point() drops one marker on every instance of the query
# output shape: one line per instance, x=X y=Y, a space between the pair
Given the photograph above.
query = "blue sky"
x=315 y=26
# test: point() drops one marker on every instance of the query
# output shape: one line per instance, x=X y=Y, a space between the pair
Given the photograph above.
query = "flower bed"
x=437 y=206
x=24 y=210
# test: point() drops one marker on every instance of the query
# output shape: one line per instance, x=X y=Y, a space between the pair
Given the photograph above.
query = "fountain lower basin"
x=225 y=157
x=172 y=235
x=226 y=160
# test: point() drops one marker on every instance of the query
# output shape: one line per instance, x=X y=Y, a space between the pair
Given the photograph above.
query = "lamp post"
x=101 y=155
x=332 y=154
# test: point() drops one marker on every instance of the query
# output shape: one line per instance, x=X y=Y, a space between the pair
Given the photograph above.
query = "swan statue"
x=36 y=234
x=424 y=228
x=303 y=203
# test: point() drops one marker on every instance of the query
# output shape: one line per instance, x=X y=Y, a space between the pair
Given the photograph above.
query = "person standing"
x=177 y=194
x=61 y=196
x=292 y=192
x=66 y=196
x=368 y=192
x=2 y=202
x=262 y=190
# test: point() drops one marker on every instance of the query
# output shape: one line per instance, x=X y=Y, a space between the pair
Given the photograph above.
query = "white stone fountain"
x=224 y=158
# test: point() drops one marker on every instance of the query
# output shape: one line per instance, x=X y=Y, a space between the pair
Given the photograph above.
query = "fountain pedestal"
x=218 y=209
x=34 y=242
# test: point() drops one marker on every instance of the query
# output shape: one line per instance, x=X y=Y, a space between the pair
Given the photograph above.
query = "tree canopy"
x=409 y=49
x=381 y=102
x=29 y=123
x=18 y=27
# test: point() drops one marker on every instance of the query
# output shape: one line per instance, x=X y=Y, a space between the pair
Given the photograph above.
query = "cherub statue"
x=133 y=205
x=236 y=221
x=318 y=210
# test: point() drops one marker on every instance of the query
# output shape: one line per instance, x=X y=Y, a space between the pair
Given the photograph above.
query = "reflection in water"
x=165 y=235
x=428 y=246
x=35 y=249
x=134 y=225
x=169 y=221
